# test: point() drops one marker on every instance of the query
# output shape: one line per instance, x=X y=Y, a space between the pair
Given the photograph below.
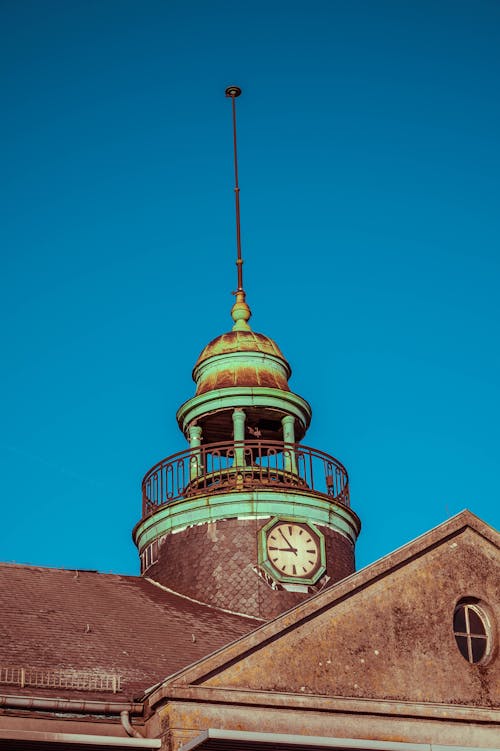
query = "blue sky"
x=369 y=163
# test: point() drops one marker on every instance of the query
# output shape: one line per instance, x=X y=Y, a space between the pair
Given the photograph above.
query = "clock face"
x=293 y=549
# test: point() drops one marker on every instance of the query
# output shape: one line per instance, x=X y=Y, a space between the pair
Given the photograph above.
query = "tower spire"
x=240 y=311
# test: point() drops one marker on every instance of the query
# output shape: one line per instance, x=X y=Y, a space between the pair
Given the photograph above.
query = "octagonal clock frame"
x=295 y=539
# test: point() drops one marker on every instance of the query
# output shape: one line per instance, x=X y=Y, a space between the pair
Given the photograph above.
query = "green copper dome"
x=241 y=358
x=242 y=373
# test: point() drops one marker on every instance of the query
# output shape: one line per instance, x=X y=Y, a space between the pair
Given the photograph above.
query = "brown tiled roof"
x=59 y=619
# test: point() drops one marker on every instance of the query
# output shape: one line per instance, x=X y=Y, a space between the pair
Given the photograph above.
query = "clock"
x=292 y=550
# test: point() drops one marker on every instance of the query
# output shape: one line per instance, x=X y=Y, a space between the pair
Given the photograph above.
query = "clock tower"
x=247 y=518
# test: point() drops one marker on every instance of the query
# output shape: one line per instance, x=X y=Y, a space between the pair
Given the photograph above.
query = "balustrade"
x=244 y=465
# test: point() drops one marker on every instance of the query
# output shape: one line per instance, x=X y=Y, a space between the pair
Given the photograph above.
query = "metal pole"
x=232 y=92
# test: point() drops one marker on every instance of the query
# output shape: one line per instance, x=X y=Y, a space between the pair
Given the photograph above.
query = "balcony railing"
x=78 y=680
x=247 y=465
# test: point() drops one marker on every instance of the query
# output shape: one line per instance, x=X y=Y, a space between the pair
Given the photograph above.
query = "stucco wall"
x=182 y=721
x=392 y=639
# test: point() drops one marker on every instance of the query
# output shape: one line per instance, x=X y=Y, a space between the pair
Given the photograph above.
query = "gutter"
x=69 y=705
x=226 y=739
x=77 y=739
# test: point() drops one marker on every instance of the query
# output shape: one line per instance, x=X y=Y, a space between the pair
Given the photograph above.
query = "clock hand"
x=294 y=550
x=285 y=550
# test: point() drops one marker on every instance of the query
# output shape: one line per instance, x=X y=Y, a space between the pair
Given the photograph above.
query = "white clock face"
x=293 y=549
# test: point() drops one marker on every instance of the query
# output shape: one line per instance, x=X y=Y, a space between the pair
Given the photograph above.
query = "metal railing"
x=77 y=680
x=226 y=467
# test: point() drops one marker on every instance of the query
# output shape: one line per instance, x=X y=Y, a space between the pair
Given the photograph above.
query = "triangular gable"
x=383 y=633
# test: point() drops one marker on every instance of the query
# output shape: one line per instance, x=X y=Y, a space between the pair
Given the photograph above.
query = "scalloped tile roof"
x=60 y=619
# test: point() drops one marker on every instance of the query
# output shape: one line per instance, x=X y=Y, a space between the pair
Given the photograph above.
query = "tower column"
x=195 y=463
x=288 y=423
x=239 y=418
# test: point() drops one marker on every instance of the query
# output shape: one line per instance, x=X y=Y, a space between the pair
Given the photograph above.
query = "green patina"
x=243 y=375
x=240 y=341
x=263 y=556
x=187 y=512
x=235 y=361
x=244 y=396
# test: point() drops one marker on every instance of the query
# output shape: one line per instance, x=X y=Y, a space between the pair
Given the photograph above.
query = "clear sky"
x=369 y=169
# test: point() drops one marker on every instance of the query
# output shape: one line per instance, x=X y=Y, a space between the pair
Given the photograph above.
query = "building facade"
x=249 y=627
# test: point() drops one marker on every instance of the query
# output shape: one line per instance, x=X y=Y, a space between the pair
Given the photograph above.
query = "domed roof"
x=241 y=358
x=242 y=370
x=240 y=341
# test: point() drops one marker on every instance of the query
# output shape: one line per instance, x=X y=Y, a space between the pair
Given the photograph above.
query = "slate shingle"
x=63 y=619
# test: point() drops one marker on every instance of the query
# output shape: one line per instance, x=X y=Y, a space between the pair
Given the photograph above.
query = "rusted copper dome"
x=240 y=341
x=241 y=358
x=242 y=389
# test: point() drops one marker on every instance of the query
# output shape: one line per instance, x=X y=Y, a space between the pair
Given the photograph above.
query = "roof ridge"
x=204 y=604
x=64 y=569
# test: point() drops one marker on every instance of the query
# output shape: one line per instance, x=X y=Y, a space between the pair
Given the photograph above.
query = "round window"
x=472 y=632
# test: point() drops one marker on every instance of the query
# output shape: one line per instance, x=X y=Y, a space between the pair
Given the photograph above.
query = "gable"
x=389 y=636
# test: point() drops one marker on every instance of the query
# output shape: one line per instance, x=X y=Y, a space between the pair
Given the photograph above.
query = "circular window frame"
x=483 y=612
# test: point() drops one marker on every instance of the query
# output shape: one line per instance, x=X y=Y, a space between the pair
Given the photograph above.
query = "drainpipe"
x=125 y=719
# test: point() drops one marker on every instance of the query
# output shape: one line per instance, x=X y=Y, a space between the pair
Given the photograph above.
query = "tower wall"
x=248 y=518
x=215 y=563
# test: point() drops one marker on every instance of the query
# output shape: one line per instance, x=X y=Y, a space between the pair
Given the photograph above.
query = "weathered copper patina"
x=271 y=370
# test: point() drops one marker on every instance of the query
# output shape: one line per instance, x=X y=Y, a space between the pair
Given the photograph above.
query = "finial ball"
x=233 y=91
x=240 y=312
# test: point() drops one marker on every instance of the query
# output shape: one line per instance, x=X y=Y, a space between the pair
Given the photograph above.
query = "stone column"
x=239 y=418
x=290 y=462
x=195 y=461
